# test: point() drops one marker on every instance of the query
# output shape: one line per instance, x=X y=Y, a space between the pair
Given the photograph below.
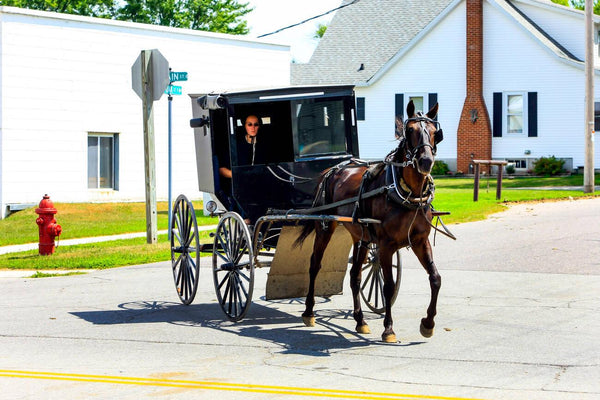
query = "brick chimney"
x=474 y=136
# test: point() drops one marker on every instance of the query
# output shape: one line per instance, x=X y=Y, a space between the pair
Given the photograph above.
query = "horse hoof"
x=426 y=332
x=389 y=338
x=308 y=321
x=364 y=329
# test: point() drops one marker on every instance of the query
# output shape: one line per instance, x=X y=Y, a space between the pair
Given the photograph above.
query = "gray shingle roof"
x=368 y=33
x=363 y=37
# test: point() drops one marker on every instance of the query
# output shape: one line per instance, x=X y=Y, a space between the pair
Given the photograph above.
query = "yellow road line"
x=238 y=387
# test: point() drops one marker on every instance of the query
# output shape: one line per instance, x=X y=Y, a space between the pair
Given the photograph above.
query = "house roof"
x=365 y=38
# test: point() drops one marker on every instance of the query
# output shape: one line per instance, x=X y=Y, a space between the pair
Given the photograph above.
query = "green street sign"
x=178 y=76
x=173 y=90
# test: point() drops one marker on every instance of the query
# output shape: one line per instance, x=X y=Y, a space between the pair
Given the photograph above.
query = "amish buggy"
x=307 y=202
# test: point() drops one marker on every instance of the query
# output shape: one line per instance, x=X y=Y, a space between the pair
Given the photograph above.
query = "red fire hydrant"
x=49 y=229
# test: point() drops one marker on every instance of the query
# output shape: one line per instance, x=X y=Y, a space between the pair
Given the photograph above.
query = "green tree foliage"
x=223 y=16
x=320 y=31
x=578 y=4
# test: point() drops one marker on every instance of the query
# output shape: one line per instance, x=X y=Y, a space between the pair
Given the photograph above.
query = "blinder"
x=439 y=133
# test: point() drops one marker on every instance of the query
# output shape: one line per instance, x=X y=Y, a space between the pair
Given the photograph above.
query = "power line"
x=309 y=19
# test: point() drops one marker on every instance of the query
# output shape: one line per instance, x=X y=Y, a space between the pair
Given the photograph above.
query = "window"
x=319 y=127
x=597 y=116
x=418 y=101
x=102 y=161
x=514 y=113
x=519 y=163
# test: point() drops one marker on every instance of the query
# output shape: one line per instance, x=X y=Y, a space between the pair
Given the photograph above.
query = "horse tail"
x=307 y=229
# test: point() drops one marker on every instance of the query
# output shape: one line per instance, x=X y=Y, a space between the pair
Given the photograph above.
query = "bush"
x=510 y=169
x=548 y=166
x=440 y=168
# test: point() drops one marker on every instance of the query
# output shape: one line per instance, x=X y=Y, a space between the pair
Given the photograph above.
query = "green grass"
x=79 y=220
x=85 y=220
x=99 y=255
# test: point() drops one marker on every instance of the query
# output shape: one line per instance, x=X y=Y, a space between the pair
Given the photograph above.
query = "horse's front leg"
x=358 y=258
x=425 y=256
x=385 y=259
x=322 y=238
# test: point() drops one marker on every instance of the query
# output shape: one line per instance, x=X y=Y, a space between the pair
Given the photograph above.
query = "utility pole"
x=588 y=168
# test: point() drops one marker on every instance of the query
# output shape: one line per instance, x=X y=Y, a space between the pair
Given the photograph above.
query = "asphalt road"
x=517 y=319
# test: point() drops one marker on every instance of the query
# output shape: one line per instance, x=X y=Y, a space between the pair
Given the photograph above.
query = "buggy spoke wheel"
x=185 y=249
x=371 y=289
x=233 y=266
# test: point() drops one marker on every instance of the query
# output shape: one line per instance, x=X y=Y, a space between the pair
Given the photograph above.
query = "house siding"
x=529 y=67
x=435 y=65
x=63 y=77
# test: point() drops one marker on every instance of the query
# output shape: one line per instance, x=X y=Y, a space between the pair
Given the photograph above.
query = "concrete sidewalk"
x=71 y=242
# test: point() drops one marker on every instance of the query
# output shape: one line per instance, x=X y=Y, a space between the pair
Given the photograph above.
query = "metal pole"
x=170 y=166
x=588 y=168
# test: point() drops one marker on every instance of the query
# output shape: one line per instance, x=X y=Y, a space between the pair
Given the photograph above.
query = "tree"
x=223 y=16
x=320 y=31
x=92 y=8
x=578 y=4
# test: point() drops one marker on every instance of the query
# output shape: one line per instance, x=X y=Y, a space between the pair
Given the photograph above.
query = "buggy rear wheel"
x=233 y=266
x=185 y=249
x=371 y=289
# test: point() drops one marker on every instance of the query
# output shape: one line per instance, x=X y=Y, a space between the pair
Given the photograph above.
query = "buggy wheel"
x=185 y=249
x=371 y=289
x=233 y=266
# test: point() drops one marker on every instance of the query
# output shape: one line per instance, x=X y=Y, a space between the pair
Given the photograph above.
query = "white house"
x=70 y=123
x=508 y=74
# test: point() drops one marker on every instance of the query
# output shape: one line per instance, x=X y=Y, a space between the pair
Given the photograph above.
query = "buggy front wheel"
x=233 y=266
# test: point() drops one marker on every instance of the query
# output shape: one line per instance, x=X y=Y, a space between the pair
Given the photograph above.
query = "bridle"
x=410 y=152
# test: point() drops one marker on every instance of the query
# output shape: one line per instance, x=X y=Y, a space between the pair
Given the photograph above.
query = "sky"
x=270 y=15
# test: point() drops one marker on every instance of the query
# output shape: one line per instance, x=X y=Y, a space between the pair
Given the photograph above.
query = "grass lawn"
x=85 y=220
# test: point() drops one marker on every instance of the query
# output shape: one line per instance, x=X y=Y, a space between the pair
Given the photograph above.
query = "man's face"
x=252 y=126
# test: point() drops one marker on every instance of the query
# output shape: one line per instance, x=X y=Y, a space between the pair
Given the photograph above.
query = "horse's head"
x=419 y=136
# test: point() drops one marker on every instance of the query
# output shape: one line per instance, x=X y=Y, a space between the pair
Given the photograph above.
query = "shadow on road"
x=262 y=323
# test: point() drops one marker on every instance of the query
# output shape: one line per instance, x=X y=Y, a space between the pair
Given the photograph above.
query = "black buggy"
x=304 y=131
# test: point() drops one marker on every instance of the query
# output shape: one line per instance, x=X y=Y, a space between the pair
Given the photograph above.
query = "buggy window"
x=319 y=127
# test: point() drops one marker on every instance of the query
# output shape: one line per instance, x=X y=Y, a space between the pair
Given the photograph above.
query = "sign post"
x=172 y=90
x=149 y=77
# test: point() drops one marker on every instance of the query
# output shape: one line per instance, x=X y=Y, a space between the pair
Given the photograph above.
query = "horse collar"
x=400 y=193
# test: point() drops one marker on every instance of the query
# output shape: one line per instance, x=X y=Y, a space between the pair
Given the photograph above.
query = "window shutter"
x=116 y=161
x=432 y=101
x=532 y=114
x=360 y=108
x=497 y=122
x=399 y=105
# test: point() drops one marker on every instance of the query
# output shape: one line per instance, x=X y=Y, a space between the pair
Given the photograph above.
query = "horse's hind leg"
x=425 y=256
x=358 y=257
x=322 y=238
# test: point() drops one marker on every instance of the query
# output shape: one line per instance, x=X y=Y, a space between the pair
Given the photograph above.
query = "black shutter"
x=497 y=122
x=360 y=108
x=532 y=114
x=400 y=105
x=432 y=101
